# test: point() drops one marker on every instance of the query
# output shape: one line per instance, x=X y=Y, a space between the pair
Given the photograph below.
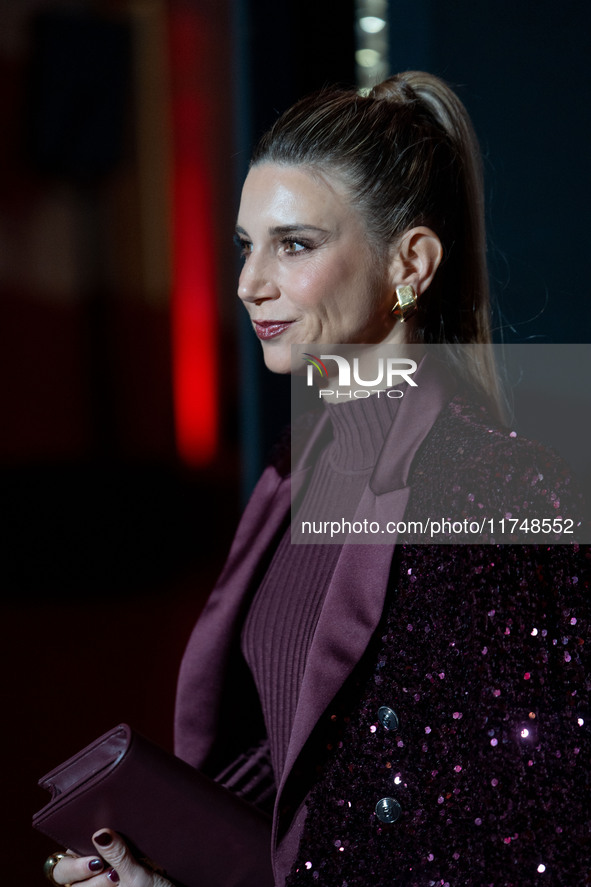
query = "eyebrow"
x=286 y=229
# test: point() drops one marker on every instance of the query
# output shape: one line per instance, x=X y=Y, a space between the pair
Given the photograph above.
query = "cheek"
x=318 y=285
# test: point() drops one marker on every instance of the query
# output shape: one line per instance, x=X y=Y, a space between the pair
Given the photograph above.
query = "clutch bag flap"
x=190 y=828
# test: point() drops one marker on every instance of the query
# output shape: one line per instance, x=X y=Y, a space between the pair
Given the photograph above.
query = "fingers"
x=71 y=869
x=117 y=866
x=124 y=867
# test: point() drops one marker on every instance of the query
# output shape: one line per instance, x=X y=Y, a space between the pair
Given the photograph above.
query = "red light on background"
x=194 y=314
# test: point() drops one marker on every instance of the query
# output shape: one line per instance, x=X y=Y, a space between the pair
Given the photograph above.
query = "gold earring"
x=406 y=304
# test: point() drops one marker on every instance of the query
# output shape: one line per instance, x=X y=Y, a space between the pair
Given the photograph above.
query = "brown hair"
x=408 y=155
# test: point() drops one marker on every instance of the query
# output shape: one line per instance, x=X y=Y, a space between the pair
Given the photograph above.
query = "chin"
x=277 y=361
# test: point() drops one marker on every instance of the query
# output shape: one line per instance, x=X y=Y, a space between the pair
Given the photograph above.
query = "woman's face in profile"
x=310 y=275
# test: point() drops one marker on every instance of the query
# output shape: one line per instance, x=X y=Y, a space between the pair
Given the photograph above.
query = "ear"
x=415 y=258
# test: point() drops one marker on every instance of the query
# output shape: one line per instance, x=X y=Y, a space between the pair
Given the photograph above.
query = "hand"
x=119 y=866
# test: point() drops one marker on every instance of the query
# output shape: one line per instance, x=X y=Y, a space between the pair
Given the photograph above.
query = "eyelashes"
x=291 y=241
x=243 y=245
x=292 y=246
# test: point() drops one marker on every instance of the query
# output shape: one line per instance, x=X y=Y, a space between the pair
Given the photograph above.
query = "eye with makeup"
x=292 y=247
x=245 y=246
x=289 y=246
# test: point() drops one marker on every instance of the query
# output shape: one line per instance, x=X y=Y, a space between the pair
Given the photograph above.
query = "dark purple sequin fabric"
x=467 y=724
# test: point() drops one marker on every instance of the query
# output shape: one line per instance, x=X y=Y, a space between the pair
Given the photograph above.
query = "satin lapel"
x=355 y=599
x=349 y=617
x=214 y=636
x=414 y=419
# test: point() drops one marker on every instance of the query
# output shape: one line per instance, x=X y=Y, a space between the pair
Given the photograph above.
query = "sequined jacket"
x=442 y=732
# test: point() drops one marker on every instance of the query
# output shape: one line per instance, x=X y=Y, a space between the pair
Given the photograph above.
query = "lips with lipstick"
x=268 y=329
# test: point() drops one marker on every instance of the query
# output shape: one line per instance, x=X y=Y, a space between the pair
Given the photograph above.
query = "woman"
x=413 y=713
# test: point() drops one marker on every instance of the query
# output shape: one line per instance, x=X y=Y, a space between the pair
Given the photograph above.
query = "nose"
x=256 y=283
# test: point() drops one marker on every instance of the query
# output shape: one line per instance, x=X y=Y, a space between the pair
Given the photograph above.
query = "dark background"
x=110 y=542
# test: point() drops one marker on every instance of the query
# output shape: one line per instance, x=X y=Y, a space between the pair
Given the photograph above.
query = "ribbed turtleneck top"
x=280 y=624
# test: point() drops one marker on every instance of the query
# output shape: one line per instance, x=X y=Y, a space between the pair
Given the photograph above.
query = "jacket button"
x=388 y=718
x=388 y=810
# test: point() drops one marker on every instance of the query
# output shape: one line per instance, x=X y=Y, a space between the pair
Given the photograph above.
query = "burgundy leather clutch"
x=183 y=824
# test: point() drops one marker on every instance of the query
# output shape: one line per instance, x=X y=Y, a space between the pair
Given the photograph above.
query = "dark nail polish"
x=114 y=877
x=104 y=839
x=95 y=865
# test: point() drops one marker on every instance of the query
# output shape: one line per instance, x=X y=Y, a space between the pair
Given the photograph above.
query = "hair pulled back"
x=408 y=155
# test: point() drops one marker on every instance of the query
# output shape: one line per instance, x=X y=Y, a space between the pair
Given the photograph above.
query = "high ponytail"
x=408 y=154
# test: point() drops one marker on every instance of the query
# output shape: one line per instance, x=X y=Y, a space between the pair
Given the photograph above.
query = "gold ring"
x=49 y=865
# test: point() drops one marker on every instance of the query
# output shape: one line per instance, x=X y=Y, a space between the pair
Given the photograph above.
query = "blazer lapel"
x=349 y=617
x=214 y=638
x=355 y=599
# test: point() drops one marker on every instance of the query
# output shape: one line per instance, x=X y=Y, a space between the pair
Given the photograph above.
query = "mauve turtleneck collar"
x=359 y=429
